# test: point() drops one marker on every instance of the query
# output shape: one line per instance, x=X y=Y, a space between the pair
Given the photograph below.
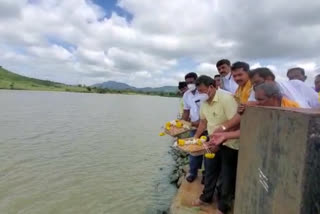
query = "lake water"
x=84 y=153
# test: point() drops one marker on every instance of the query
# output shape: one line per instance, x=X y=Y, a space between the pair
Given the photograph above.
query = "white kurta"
x=299 y=92
x=192 y=102
x=229 y=84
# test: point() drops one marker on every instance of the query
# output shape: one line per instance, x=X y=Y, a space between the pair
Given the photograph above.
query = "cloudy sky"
x=154 y=43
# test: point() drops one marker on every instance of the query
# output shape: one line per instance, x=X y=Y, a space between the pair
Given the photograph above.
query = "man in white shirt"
x=294 y=90
x=192 y=101
x=227 y=81
x=296 y=74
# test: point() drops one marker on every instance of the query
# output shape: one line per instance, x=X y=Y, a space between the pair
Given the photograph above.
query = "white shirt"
x=252 y=97
x=192 y=102
x=299 y=92
x=229 y=84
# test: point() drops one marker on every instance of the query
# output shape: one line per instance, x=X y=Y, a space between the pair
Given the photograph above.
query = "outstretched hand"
x=241 y=109
x=217 y=138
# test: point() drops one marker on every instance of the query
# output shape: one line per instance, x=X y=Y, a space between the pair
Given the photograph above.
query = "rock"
x=162 y=212
x=183 y=154
x=174 y=178
x=179 y=160
x=180 y=181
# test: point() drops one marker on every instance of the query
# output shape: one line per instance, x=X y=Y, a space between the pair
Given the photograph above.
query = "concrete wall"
x=279 y=162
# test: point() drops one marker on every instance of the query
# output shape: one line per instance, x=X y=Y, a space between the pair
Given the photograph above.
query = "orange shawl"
x=289 y=103
x=243 y=93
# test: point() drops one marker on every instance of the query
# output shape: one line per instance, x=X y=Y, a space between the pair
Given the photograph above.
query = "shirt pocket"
x=217 y=114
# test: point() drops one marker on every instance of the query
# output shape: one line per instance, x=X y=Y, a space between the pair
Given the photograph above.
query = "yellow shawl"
x=289 y=103
x=243 y=93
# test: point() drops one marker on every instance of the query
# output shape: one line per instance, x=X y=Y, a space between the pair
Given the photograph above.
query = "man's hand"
x=217 y=130
x=212 y=148
x=241 y=108
x=217 y=138
x=195 y=124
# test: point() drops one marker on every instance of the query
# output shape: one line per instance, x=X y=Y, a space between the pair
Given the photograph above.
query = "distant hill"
x=10 y=80
x=113 y=85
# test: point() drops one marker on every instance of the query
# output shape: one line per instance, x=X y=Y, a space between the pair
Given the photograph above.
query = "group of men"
x=215 y=105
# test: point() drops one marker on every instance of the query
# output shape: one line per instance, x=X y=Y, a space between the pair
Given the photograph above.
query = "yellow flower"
x=162 y=134
x=210 y=155
x=179 y=124
x=168 y=124
x=199 y=142
x=181 y=142
x=203 y=138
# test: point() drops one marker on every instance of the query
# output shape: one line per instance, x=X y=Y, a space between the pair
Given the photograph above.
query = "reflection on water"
x=84 y=153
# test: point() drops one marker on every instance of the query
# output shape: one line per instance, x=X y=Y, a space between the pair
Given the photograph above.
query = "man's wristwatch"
x=223 y=127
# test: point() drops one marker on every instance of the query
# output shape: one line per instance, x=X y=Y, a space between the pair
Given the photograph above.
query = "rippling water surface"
x=84 y=153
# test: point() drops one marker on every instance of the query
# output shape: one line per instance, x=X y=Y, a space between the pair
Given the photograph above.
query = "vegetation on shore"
x=13 y=81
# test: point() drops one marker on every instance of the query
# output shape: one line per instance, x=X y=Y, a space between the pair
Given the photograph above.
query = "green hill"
x=10 y=80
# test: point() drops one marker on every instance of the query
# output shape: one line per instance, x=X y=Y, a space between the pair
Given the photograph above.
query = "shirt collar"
x=228 y=77
x=215 y=98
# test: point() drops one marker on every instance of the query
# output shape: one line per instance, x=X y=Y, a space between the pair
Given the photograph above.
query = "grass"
x=13 y=81
x=10 y=80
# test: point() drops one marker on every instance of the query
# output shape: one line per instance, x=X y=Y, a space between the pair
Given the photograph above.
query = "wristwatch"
x=223 y=127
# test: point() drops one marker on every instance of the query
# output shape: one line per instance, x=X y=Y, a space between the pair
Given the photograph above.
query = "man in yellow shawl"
x=240 y=73
x=244 y=93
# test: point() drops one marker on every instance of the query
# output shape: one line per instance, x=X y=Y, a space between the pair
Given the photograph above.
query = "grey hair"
x=270 y=89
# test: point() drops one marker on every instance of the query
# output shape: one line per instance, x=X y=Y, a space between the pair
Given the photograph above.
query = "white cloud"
x=72 y=41
x=206 y=69
x=52 y=52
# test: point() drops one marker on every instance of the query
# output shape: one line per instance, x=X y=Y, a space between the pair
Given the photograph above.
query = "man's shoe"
x=191 y=178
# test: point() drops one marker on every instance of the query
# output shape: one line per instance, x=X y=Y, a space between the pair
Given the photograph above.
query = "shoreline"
x=86 y=92
x=181 y=165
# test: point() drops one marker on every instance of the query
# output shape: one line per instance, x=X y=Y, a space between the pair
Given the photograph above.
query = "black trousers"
x=224 y=164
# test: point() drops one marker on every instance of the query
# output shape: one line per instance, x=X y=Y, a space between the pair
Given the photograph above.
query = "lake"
x=84 y=153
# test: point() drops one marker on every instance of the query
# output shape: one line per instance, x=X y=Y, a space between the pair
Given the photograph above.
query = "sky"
x=155 y=43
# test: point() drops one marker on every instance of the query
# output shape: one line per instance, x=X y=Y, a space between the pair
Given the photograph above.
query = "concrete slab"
x=279 y=162
x=187 y=193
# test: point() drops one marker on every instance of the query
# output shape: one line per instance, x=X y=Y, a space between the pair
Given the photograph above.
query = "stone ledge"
x=187 y=193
